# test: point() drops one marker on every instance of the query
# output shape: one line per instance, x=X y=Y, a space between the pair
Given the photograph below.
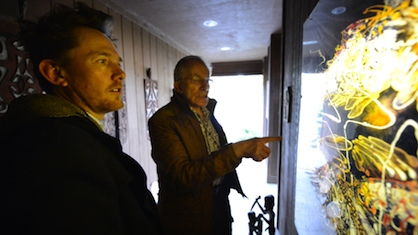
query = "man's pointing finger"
x=271 y=139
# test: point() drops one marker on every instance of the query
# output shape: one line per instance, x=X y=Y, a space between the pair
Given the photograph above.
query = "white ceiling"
x=243 y=25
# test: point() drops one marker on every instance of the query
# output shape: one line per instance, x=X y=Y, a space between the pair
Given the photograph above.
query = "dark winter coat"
x=60 y=174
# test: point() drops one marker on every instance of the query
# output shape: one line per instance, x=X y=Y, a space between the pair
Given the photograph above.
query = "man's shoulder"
x=165 y=112
x=72 y=124
x=48 y=135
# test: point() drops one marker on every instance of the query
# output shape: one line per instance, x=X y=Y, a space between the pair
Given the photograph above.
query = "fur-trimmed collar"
x=26 y=109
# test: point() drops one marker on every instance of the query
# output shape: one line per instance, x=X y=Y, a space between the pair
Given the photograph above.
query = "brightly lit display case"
x=357 y=160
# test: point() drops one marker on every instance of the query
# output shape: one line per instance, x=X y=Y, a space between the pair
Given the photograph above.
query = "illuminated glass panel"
x=357 y=162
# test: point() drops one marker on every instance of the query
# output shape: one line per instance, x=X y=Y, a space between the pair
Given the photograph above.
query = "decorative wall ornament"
x=151 y=96
x=16 y=76
x=116 y=123
x=109 y=124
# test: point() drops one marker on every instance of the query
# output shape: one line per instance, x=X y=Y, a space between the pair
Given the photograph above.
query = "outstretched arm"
x=254 y=148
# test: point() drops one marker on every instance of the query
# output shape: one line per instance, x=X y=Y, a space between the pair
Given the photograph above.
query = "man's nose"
x=204 y=85
x=119 y=73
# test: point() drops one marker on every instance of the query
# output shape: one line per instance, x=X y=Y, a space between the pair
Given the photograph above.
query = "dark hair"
x=53 y=36
x=179 y=70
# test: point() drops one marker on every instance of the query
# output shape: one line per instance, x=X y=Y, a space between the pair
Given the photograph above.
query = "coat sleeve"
x=179 y=150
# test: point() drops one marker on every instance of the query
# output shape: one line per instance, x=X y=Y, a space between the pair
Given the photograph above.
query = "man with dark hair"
x=195 y=163
x=59 y=172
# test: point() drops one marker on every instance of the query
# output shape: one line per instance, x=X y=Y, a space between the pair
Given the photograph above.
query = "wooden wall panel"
x=156 y=65
x=146 y=49
x=100 y=6
x=171 y=56
x=65 y=2
x=130 y=88
x=88 y=2
x=117 y=33
x=164 y=81
x=140 y=70
x=36 y=8
x=146 y=59
x=123 y=123
x=153 y=57
x=140 y=74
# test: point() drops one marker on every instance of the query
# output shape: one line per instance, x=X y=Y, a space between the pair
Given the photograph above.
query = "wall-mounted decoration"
x=116 y=123
x=151 y=96
x=109 y=124
x=367 y=179
x=16 y=76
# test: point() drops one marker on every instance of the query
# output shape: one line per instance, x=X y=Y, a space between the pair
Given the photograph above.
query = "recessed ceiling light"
x=225 y=48
x=338 y=10
x=310 y=42
x=210 y=23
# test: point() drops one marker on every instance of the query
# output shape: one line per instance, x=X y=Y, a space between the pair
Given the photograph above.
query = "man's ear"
x=177 y=87
x=52 y=72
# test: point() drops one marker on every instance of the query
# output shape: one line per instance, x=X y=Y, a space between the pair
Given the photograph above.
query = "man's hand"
x=254 y=148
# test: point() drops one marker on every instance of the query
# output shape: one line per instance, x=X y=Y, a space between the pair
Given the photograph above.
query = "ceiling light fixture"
x=225 y=48
x=310 y=42
x=210 y=23
x=338 y=10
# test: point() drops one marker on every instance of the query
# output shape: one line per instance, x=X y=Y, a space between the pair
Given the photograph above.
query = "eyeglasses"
x=197 y=80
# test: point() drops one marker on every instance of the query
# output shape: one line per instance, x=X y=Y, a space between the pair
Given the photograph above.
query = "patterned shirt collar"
x=210 y=134
x=208 y=130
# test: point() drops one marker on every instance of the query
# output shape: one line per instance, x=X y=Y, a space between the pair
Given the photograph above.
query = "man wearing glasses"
x=195 y=163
